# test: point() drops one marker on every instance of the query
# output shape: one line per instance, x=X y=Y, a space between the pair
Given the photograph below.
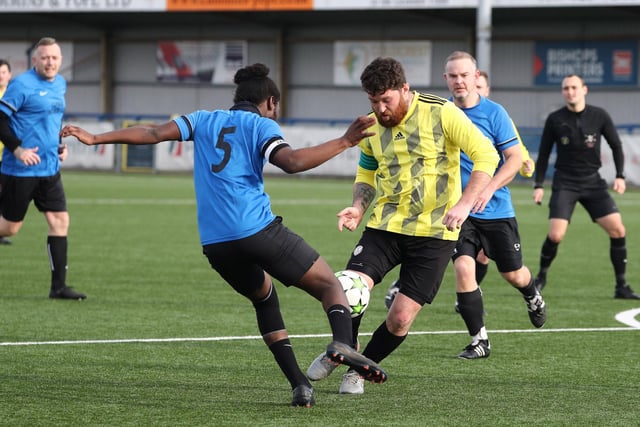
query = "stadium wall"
x=114 y=58
x=177 y=156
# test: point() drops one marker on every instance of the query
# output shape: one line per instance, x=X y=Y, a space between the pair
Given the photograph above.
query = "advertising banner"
x=174 y=156
x=237 y=5
x=350 y=58
x=600 y=63
x=200 y=61
x=67 y=6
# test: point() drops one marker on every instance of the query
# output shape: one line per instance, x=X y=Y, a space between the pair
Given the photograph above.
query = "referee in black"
x=576 y=131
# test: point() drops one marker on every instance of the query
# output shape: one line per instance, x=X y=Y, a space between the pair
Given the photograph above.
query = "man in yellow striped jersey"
x=527 y=170
x=409 y=171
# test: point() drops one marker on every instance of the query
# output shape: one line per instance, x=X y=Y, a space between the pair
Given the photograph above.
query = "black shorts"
x=47 y=194
x=275 y=249
x=592 y=193
x=499 y=238
x=423 y=261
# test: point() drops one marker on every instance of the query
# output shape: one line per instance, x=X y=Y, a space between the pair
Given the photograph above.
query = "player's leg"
x=9 y=228
x=561 y=208
x=14 y=202
x=612 y=224
x=604 y=211
x=321 y=282
x=287 y=257
x=501 y=240
x=51 y=201
x=250 y=280
x=471 y=308
x=424 y=261
x=468 y=294
x=482 y=266
x=523 y=281
x=275 y=336
x=385 y=339
x=3 y=239
x=372 y=260
x=557 y=230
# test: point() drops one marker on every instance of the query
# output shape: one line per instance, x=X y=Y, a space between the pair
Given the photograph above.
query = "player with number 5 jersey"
x=241 y=237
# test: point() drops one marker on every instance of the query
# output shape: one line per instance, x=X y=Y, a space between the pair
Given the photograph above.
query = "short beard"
x=396 y=117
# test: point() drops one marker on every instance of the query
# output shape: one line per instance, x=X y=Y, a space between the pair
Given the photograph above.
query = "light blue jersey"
x=231 y=149
x=492 y=119
x=36 y=107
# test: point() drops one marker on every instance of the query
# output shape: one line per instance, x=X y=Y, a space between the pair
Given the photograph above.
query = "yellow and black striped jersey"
x=415 y=166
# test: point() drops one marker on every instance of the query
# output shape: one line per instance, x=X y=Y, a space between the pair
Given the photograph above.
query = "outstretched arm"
x=302 y=159
x=136 y=135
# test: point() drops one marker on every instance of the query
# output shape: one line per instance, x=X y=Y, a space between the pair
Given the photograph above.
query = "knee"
x=556 y=236
x=518 y=278
x=10 y=229
x=617 y=232
x=399 y=323
x=58 y=223
x=465 y=269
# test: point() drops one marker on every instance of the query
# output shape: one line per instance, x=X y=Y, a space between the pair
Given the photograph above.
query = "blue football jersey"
x=494 y=122
x=36 y=107
x=231 y=148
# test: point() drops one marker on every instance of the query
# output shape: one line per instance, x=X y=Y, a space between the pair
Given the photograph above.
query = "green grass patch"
x=163 y=341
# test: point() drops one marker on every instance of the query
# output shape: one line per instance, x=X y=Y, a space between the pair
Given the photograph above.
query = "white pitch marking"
x=629 y=318
x=257 y=337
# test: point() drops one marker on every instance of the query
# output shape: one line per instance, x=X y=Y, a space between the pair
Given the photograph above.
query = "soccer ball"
x=356 y=290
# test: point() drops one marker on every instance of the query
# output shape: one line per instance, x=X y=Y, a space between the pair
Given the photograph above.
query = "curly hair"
x=381 y=75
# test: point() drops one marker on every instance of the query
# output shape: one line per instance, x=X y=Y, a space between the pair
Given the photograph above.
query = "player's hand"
x=619 y=185
x=63 y=151
x=80 y=134
x=527 y=169
x=454 y=218
x=358 y=130
x=483 y=199
x=538 y=194
x=349 y=218
x=28 y=156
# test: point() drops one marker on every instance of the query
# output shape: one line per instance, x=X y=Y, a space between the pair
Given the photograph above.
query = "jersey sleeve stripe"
x=367 y=162
x=272 y=146
x=188 y=123
x=431 y=99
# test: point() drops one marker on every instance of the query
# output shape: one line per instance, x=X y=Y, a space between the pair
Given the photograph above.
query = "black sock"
x=269 y=320
x=382 y=343
x=618 y=254
x=57 y=251
x=355 y=328
x=481 y=271
x=471 y=309
x=283 y=353
x=529 y=290
x=341 y=323
x=547 y=255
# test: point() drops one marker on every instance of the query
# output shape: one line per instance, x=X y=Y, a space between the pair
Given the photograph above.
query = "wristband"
x=621 y=176
x=536 y=186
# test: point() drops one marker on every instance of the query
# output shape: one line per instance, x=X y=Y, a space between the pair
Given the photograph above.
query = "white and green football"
x=356 y=290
